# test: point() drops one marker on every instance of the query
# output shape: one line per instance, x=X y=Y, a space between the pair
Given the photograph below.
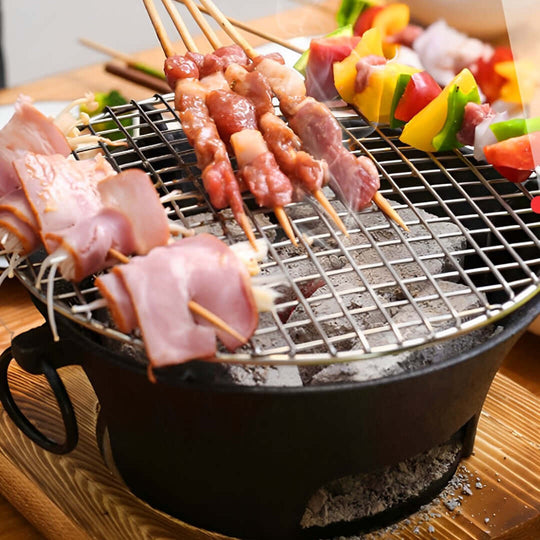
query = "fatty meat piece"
x=162 y=283
x=354 y=179
x=28 y=130
x=61 y=191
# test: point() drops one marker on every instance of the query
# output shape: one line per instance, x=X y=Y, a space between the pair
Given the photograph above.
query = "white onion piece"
x=483 y=136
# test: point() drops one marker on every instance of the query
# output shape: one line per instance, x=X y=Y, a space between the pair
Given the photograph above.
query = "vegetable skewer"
x=378 y=199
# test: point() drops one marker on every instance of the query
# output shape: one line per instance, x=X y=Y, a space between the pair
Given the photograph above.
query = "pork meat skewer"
x=301 y=168
x=290 y=91
x=212 y=158
x=190 y=94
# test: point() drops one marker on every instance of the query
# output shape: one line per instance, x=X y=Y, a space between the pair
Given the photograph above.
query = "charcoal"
x=225 y=224
x=264 y=375
x=360 y=248
x=384 y=366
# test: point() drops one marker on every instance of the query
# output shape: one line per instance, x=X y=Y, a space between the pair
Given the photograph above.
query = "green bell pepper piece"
x=302 y=62
x=446 y=139
x=350 y=10
x=515 y=127
x=401 y=84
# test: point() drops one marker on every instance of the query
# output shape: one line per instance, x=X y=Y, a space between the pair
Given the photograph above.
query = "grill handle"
x=37 y=354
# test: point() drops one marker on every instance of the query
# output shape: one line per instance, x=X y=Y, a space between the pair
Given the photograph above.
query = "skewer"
x=216 y=43
x=220 y=18
x=168 y=49
x=214 y=40
x=123 y=57
x=195 y=307
x=251 y=30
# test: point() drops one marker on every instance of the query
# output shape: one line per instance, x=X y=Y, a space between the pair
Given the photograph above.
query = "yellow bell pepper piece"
x=521 y=81
x=345 y=71
x=391 y=20
x=424 y=126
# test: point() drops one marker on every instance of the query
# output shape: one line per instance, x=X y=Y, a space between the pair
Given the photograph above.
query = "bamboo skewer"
x=220 y=18
x=243 y=26
x=195 y=307
x=216 y=43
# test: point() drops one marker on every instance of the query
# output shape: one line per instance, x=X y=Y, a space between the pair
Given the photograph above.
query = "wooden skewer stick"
x=325 y=203
x=179 y=24
x=168 y=49
x=389 y=210
x=203 y=24
x=214 y=40
x=195 y=307
x=161 y=33
x=378 y=199
x=259 y=33
x=123 y=57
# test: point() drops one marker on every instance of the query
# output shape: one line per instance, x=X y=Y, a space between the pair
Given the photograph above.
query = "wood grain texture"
x=77 y=496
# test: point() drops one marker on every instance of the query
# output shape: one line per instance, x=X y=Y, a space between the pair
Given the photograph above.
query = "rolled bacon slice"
x=353 y=178
x=131 y=221
x=18 y=226
x=28 y=130
x=87 y=246
x=61 y=191
x=195 y=269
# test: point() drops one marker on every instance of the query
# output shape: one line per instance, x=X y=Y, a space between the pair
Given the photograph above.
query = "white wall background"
x=40 y=37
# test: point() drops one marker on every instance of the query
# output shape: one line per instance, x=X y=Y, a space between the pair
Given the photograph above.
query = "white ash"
x=354 y=497
x=420 y=521
x=226 y=225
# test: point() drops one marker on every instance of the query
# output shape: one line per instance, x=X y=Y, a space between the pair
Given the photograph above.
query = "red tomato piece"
x=515 y=158
x=489 y=81
x=323 y=53
x=365 y=20
x=419 y=92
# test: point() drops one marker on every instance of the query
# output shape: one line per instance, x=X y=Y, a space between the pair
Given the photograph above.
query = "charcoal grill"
x=209 y=438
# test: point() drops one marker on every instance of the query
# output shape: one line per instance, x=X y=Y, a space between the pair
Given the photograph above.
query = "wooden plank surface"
x=76 y=496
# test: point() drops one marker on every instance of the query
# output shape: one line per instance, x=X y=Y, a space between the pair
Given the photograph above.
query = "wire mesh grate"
x=472 y=254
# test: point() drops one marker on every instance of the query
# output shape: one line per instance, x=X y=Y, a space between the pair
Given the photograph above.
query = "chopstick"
x=220 y=18
x=123 y=57
x=138 y=77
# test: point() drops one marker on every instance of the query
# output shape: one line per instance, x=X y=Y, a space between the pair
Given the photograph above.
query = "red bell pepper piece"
x=489 y=81
x=420 y=90
x=365 y=20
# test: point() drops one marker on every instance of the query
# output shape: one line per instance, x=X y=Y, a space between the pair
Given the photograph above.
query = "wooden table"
x=513 y=401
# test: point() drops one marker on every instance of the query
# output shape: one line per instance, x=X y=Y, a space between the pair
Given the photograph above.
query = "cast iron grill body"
x=244 y=460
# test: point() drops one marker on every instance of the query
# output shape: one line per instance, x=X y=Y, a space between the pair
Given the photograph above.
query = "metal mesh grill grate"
x=472 y=254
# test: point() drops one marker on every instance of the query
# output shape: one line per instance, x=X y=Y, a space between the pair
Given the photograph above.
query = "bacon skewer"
x=217 y=174
x=290 y=104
